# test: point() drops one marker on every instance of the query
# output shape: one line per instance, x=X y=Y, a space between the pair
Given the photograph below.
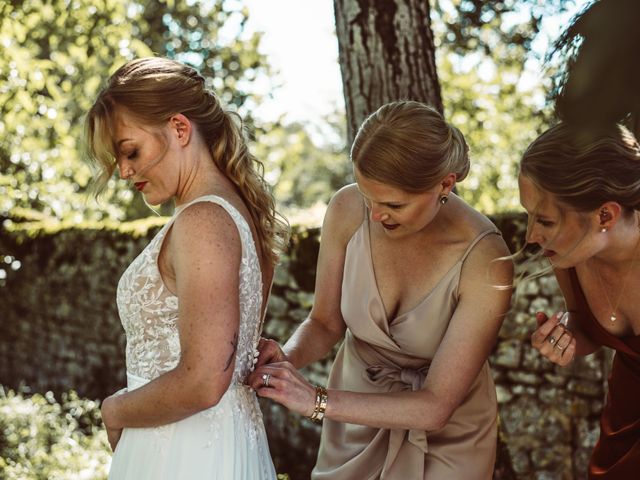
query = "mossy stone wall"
x=59 y=330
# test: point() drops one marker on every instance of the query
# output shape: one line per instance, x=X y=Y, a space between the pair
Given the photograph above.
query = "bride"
x=193 y=301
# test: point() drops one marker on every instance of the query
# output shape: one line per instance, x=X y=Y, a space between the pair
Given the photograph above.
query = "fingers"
x=282 y=383
x=113 y=437
x=544 y=330
x=568 y=353
x=553 y=340
x=270 y=352
x=541 y=317
x=265 y=375
x=559 y=351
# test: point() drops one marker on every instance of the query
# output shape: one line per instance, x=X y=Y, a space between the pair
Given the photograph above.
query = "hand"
x=113 y=433
x=286 y=386
x=553 y=340
x=270 y=352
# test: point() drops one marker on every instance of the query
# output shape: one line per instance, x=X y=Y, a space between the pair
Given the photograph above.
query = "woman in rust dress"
x=409 y=278
x=581 y=188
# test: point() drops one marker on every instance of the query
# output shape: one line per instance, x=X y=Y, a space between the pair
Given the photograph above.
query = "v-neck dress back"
x=379 y=355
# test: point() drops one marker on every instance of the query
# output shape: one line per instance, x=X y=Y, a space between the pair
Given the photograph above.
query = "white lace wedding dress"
x=225 y=442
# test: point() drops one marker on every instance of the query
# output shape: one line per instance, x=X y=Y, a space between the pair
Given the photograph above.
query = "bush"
x=43 y=439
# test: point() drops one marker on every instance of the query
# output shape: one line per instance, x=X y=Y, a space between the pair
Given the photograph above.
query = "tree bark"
x=386 y=53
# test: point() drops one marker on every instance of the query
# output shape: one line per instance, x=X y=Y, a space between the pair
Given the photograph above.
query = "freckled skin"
x=199 y=262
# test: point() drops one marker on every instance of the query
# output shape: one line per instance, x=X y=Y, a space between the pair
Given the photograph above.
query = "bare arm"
x=324 y=326
x=205 y=253
x=472 y=332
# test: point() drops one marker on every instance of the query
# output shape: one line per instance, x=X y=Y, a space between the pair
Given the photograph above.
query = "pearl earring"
x=443 y=199
x=603 y=230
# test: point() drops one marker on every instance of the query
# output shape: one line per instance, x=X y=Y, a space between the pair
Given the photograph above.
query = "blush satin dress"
x=382 y=355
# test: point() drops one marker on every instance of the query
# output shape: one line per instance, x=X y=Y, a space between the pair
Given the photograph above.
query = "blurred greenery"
x=303 y=169
x=56 y=54
x=493 y=87
x=42 y=439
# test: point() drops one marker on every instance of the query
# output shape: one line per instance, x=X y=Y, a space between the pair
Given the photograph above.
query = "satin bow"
x=399 y=379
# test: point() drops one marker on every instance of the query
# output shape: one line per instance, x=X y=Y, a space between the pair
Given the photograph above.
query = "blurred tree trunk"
x=386 y=53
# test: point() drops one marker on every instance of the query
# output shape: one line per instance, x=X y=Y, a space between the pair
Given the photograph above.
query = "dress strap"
x=479 y=237
x=208 y=198
x=365 y=212
x=233 y=212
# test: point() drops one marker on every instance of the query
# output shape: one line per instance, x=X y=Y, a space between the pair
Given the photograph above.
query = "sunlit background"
x=276 y=63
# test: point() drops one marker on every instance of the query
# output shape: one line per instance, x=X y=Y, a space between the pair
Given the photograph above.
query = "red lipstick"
x=139 y=185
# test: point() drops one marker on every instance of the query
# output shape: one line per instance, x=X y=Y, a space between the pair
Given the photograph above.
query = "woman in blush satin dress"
x=415 y=284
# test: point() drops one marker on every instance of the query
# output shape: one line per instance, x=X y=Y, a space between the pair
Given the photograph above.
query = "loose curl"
x=408 y=144
x=584 y=168
x=153 y=90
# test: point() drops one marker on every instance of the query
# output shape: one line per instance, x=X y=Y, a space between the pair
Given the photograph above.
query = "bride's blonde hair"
x=154 y=89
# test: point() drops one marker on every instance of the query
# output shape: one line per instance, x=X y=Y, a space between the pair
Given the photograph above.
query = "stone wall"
x=59 y=330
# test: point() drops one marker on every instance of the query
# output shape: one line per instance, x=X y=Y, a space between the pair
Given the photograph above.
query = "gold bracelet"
x=320 y=406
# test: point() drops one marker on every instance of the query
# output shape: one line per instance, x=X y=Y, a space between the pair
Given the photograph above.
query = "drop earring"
x=443 y=199
x=605 y=216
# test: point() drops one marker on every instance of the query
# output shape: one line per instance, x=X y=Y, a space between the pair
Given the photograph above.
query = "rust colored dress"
x=380 y=356
x=616 y=455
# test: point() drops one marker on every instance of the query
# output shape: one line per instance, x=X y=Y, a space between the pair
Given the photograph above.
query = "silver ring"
x=552 y=339
x=559 y=347
x=265 y=379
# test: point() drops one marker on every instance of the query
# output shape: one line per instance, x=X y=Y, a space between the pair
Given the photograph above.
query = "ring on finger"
x=552 y=339
x=560 y=347
x=265 y=379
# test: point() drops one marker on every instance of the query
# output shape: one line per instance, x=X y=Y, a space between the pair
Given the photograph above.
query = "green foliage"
x=42 y=439
x=55 y=55
x=304 y=169
x=498 y=121
x=485 y=57
x=473 y=26
x=484 y=54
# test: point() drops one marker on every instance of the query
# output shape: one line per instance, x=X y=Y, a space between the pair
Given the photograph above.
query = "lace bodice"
x=149 y=311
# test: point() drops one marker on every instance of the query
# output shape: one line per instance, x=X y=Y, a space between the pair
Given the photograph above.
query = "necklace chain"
x=613 y=308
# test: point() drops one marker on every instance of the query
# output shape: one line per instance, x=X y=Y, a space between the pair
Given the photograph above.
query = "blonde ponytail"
x=154 y=89
x=232 y=157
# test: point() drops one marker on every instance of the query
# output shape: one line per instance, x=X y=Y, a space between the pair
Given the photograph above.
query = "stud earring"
x=604 y=230
x=443 y=199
